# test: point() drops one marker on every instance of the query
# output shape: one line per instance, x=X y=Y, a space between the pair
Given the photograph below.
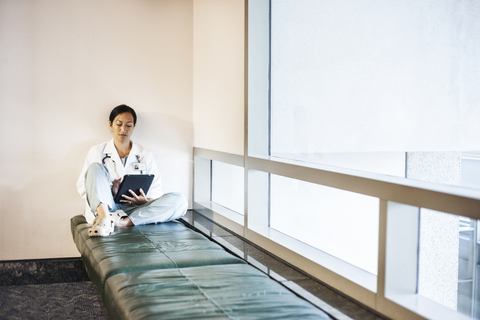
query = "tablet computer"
x=133 y=182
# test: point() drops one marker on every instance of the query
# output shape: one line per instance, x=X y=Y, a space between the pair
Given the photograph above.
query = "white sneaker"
x=101 y=227
x=116 y=216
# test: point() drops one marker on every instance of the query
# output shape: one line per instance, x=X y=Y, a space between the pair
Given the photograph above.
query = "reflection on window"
x=468 y=269
x=448 y=250
x=448 y=270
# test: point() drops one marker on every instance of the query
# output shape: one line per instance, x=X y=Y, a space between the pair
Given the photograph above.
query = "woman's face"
x=122 y=127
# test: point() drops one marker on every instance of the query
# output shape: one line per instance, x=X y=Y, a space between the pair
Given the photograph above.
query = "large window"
x=361 y=164
x=386 y=87
x=373 y=76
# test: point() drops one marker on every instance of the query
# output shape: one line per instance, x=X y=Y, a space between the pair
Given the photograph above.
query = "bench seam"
x=153 y=243
x=213 y=301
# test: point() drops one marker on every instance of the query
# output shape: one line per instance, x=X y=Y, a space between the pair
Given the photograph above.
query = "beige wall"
x=63 y=66
x=218 y=88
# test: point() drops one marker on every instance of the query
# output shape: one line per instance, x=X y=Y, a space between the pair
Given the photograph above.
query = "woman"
x=104 y=168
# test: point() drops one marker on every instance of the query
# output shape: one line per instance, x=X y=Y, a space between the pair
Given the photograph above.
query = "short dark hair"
x=122 y=109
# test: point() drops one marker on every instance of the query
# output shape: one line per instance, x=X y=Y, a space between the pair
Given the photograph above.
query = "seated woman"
x=104 y=168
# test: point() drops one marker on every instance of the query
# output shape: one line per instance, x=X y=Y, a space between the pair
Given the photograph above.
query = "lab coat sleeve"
x=155 y=190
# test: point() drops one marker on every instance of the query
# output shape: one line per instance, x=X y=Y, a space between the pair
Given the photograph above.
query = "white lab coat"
x=117 y=170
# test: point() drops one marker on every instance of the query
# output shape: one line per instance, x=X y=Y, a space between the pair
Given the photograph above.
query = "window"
x=340 y=223
x=384 y=87
x=360 y=84
x=362 y=131
x=227 y=186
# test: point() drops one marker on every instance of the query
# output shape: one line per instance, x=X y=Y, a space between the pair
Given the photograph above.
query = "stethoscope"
x=107 y=156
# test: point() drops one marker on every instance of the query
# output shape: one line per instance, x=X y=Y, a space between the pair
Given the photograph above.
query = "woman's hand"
x=135 y=199
x=115 y=186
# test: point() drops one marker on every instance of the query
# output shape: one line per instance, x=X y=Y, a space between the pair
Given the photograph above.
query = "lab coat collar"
x=112 y=152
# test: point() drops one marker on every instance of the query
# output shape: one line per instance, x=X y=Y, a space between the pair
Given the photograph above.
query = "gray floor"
x=73 y=300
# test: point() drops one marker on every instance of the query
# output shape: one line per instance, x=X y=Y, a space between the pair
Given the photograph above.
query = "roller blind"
x=364 y=76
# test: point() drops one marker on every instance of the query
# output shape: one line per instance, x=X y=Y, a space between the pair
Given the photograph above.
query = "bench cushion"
x=168 y=271
x=235 y=291
x=131 y=249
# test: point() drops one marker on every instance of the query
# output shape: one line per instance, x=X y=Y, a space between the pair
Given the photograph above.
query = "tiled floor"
x=335 y=304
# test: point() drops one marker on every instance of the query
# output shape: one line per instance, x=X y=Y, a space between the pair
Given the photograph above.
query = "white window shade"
x=358 y=76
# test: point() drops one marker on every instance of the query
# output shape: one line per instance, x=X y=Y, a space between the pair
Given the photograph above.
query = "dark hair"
x=122 y=109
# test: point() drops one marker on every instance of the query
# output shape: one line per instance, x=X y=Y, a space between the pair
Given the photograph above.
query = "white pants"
x=168 y=207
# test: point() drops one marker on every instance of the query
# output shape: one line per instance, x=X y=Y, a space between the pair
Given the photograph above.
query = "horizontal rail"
x=230 y=158
x=444 y=198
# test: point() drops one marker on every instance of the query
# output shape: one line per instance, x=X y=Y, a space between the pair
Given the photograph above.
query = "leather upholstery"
x=210 y=292
x=161 y=246
x=168 y=271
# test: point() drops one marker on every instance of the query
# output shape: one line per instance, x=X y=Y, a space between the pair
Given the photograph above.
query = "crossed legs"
x=168 y=207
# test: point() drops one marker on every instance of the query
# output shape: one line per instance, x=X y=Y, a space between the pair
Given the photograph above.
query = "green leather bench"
x=168 y=271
